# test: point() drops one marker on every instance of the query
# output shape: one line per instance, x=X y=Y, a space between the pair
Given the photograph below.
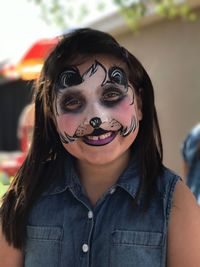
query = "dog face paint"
x=94 y=103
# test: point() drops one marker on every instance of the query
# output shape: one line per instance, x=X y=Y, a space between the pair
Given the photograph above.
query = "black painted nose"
x=95 y=122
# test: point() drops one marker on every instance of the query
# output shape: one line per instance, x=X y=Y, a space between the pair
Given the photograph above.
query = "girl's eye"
x=112 y=96
x=72 y=104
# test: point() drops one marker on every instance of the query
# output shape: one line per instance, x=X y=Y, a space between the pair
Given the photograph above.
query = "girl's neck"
x=96 y=179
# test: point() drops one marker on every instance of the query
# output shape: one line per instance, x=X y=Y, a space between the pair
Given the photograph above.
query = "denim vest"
x=64 y=230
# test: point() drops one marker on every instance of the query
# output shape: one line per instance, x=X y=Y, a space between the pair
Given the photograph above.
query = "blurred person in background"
x=25 y=130
x=25 y=127
x=93 y=190
x=11 y=163
x=191 y=160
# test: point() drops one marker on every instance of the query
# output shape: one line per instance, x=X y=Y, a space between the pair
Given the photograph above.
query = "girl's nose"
x=95 y=122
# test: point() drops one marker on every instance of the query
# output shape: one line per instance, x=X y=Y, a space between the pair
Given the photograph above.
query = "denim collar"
x=128 y=180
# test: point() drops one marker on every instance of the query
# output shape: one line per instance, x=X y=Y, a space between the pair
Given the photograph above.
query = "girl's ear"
x=139 y=104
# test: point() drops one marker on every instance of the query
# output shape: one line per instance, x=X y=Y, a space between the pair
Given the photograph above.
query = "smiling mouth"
x=99 y=140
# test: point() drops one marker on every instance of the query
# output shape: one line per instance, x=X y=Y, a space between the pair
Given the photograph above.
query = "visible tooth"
x=99 y=137
x=103 y=136
x=109 y=134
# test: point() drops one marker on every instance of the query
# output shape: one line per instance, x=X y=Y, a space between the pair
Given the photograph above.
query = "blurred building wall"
x=170 y=52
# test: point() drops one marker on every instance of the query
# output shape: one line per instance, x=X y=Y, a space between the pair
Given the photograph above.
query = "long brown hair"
x=46 y=154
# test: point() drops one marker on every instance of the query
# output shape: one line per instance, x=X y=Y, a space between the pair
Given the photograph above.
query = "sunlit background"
x=168 y=47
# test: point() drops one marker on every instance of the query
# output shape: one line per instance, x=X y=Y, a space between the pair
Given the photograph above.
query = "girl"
x=93 y=190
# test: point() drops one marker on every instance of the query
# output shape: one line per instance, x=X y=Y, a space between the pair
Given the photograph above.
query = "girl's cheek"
x=124 y=112
x=68 y=123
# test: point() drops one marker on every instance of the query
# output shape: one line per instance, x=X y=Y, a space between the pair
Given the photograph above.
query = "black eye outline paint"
x=114 y=75
x=112 y=100
x=69 y=77
x=68 y=98
x=117 y=76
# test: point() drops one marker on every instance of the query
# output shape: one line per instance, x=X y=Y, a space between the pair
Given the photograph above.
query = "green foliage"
x=133 y=11
x=101 y=6
x=4 y=179
x=170 y=9
x=62 y=12
x=3 y=189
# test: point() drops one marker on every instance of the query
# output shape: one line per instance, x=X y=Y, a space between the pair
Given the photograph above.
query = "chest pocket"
x=43 y=246
x=136 y=249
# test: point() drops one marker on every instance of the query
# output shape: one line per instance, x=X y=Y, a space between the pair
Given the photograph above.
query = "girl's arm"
x=184 y=229
x=9 y=256
x=185 y=171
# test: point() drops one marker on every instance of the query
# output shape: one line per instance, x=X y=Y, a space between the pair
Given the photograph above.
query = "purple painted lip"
x=100 y=142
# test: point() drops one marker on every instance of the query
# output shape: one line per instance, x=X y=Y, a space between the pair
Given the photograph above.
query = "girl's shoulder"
x=184 y=225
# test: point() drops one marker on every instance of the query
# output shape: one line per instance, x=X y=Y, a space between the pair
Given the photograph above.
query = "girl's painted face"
x=96 y=103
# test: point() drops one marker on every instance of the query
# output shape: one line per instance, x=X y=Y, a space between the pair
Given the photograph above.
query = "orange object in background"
x=40 y=49
x=29 y=69
x=31 y=63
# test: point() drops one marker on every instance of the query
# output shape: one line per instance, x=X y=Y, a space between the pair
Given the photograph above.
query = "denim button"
x=90 y=214
x=112 y=190
x=85 y=248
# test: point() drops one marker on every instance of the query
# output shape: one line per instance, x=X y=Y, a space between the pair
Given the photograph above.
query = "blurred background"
x=163 y=35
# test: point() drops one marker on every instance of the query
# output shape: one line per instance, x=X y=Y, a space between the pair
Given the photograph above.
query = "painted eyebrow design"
x=71 y=76
x=118 y=75
x=114 y=74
